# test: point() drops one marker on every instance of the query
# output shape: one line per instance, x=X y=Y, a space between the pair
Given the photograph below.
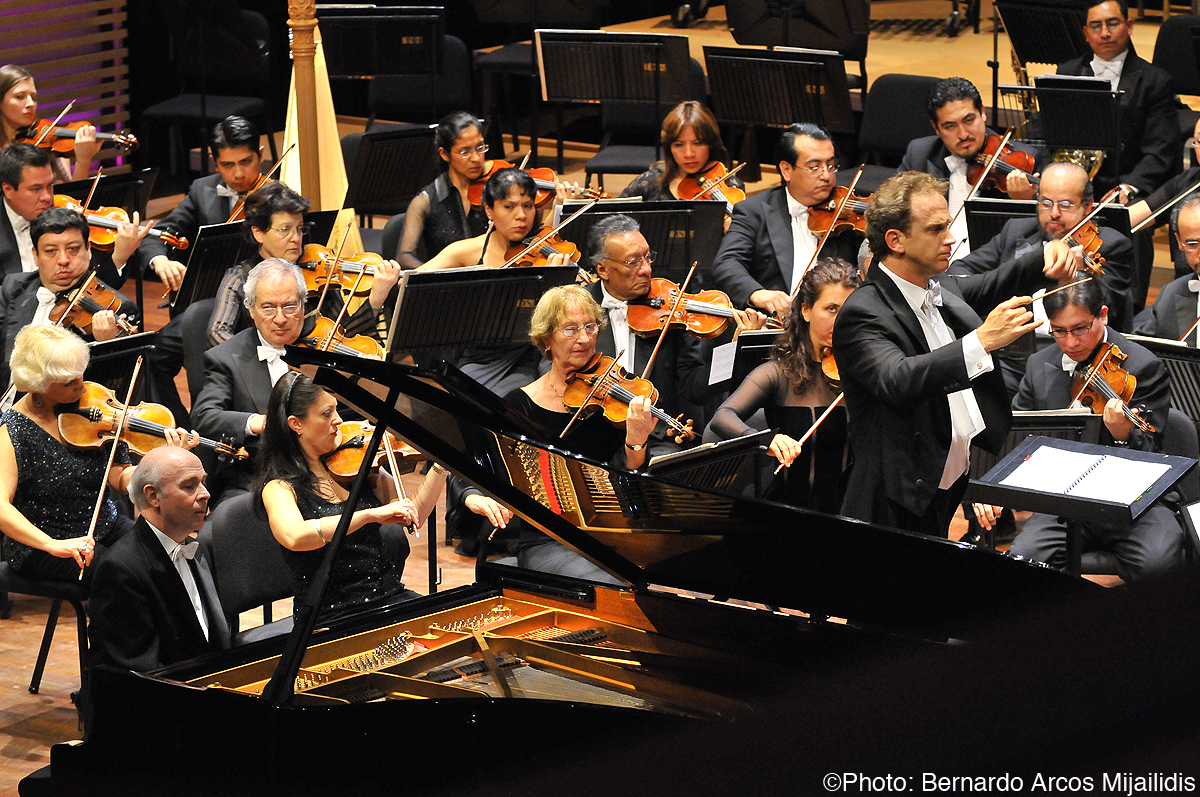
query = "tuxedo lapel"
x=779 y=230
x=167 y=580
x=1185 y=312
x=899 y=309
x=256 y=379
x=218 y=629
x=213 y=206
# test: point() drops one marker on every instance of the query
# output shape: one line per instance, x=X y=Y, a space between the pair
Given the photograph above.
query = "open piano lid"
x=646 y=530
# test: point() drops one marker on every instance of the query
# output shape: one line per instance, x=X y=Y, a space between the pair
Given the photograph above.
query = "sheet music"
x=1101 y=477
x=723 y=357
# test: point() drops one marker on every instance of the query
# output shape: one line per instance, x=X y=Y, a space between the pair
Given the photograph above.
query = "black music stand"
x=680 y=231
x=1081 y=113
x=390 y=169
x=1040 y=31
x=365 y=42
x=995 y=487
x=111 y=364
x=719 y=466
x=595 y=66
x=476 y=307
x=322 y=222
x=986 y=217
x=217 y=248
x=753 y=349
x=1183 y=366
x=828 y=25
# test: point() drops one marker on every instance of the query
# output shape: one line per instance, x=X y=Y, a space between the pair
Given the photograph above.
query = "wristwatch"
x=638 y=447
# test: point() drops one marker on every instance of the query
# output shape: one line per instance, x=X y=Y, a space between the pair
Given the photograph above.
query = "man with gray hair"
x=239 y=373
x=154 y=601
x=1176 y=309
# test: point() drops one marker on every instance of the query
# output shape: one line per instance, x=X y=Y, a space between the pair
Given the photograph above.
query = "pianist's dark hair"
x=502 y=182
x=1086 y=295
x=232 y=132
x=279 y=453
x=952 y=89
x=450 y=128
x=794 y=350
x=274 y=197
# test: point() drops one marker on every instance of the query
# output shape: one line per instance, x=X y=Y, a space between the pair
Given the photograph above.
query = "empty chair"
x=407 y=97
x=894 y=114
x=1175 y=51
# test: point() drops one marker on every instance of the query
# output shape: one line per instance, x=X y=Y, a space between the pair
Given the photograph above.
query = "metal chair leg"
x=44 y=652
x=84 y=674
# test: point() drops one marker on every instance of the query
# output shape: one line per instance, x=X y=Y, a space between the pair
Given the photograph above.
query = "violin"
x=76 y=307
x=524 y=254
x=346 y=460
x=543 y=178
x=711 y=184
x=326 y=336
x=706 y=314
x=103 y=223
x=829 y=368
x=1087 y=235
x=61 y=138
x=604 y=385
x=1095 y=385
x=1010 y=160
x=853 y=216
x=320 y=265
x=93 y=421
x=239 y=208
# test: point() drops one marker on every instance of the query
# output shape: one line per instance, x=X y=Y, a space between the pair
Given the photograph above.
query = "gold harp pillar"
x=302 y=19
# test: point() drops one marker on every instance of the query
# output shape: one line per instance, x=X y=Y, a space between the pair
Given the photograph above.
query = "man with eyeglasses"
x=1149 y=122
x=769 y=245
x=1079 y=324
x=1177 y=307
x=959 y=122
x=624 y=262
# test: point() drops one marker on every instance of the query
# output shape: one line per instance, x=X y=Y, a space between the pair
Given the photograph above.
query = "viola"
x=604 y=385
x=829 y=368
x=706 y=314
x=1088 y=236
x=103 y=223
x=1095 y=385
x=93 y=421
x=543 y=178
x=853 y=215
x=711 y=183
x=346 y=460
x=326 y=336
x=524 y=254
x=321 y=264
x=1010 y=160
x=61 y=137
x=76 y=306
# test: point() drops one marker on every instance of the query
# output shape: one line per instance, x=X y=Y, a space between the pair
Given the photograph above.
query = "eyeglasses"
x=830 y=167
x=288 y=232
x=466 y=152
x=634 y=262
x=1112 y=24
x=1190 y=245
x=1063 y=204
x=1192 y=142
x=587 y=329
x=289 y=310
x=1075 y=332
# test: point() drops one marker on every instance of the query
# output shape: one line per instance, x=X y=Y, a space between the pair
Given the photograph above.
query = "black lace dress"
x=434 y=220
x=56 y=491
x=362 y=573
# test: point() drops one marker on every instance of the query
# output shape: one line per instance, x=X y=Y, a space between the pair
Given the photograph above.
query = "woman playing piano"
x=19 y=111
x=793 y=391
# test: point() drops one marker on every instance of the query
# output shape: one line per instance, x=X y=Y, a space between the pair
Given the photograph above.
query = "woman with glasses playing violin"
x=441 y=214
x=275 y=221
x=1079 y=323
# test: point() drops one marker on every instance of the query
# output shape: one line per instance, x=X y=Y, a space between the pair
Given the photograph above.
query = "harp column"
x=302 y=19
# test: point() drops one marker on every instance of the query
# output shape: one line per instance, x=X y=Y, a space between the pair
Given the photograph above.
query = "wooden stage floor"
x=29 y=724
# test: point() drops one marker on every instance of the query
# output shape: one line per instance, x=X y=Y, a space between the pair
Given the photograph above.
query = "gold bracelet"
x=438 y=469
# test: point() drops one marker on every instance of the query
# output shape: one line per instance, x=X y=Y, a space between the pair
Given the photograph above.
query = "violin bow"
x=1165 y=207
x=1195 y=324
x=336 y=266
x=1099 y=207
x=546 y=236
x=591 y=394
x=975 y=188
x=667 y=324
x=54 y=124
x=95 y=183
x=337 y=324
x=259 y=183
x=112 y=452
x=390 y=454
x=824 y=238
x=813 y=429
x=712 y=186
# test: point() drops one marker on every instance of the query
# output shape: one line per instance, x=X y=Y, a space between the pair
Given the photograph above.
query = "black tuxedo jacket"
x=18 y=303
x=757 y=254
x=10 y=256
x=1149 y=121
x=1021 y=236
x=896 y=387
x=141 y=616
x=1172 y=314
x=1046 y=386
x=201 y=206
x=928 y=154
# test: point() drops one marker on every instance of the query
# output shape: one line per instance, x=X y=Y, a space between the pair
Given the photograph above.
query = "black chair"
x=1175 y=50
x=248 y=567
x=636 y=121
x=407 y=97
x=57 y=592
x=893 y=115
x=195 y=342
x=393 y=231
x=211 y=59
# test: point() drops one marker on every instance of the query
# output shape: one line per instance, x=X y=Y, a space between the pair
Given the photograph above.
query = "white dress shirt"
x=185 y=572
x=965 y=417
x=618 y=320
x=20 y=228
x=959 y=189
x=1110 y=69
x=804 y=242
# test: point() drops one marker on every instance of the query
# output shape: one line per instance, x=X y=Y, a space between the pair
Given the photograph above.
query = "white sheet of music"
x=1102 y=477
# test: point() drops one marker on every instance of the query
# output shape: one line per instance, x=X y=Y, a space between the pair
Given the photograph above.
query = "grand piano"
x=730 y=605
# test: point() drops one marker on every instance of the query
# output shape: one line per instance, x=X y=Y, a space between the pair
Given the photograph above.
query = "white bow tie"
x=45 y=296
x=933 y=296
x=799 y=212
x=186 y=550
x=226 y=191
x=609 y=303
x=1068 y=364
x=269 y=354
x=1193 y=286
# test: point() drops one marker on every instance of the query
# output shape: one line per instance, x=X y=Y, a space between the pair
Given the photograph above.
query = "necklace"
x=561 y=398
